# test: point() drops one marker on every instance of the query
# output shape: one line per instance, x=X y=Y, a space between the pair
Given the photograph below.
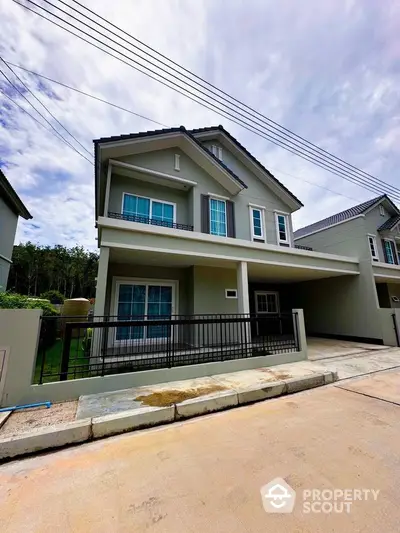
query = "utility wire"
x=86 y=94
x=59 y=136
x=24 y=110
x=332 y=160
x=151 y=120
x=254 y=113
x=376 y=188
x=45 y=107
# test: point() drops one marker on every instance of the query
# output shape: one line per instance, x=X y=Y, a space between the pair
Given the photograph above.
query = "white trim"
x=117 y=281
x=261 y=237
x=385 y=265
x=177 y=164
x=231 y=297
x=287 y=228
x=207 y=238
x=219 y=199
x=144 y=170
x=395 y=256
x=259 y=206
x=275 y=293
x=218 y=196
x=383 y=276
x=5 y=259
x=375 y=256
x=326 y=227
x=151 y=202
x=107 y=193
x=382 y=210
x=219 y=150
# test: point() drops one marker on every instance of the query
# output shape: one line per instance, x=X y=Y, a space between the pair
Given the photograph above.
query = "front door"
x=266 y=305
x=144 y=301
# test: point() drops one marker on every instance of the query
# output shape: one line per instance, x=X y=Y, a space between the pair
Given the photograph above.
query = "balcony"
x=151 y=221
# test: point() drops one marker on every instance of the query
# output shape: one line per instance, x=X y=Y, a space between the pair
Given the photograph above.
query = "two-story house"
x=11 y=207
x=371 y=232
x=190 y=223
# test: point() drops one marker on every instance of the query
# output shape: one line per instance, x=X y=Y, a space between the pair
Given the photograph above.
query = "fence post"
x=300 y=329
x=66 y=351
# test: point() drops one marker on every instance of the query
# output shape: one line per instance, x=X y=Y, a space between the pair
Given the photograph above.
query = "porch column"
x=101 y=285
x=242 y=288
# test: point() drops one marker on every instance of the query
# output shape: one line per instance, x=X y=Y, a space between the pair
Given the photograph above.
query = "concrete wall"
x=8 y=227
x=209 y=286
x=394 y=290
x=18 y=388
x=387 y=326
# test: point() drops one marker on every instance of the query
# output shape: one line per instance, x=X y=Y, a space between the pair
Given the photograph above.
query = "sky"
x=330 y=71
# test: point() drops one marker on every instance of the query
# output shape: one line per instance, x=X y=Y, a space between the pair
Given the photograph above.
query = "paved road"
x=205 y=475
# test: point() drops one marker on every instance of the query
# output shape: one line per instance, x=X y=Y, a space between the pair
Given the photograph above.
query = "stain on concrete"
x=167 y=397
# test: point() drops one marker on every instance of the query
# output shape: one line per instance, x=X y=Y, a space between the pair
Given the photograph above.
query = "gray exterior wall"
x=188 y=203
x=209 y=286
x=8 y=228
x=373 y=220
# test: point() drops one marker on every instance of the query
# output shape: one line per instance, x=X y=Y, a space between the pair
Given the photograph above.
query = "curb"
x=3 y=417
x=114 y=424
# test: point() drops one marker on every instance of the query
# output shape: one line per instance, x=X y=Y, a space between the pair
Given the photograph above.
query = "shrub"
x=55 y=297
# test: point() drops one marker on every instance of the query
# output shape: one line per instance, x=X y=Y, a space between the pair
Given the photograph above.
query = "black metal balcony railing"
x=152 y=221
x=300 y=247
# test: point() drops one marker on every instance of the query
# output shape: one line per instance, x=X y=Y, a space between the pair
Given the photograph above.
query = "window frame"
x=382 y=210
x=235 y=297
x=217 y=198
x=287 y=228
x=262 y=237
x=177 y=162
x=393 y=252
x=375 y=247
x=266 y=293
x=216 y=150
x=151 y=204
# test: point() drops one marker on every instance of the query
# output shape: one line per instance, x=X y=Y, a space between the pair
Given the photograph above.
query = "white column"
x=101 y=285
x=299 y=325
x=242 y=288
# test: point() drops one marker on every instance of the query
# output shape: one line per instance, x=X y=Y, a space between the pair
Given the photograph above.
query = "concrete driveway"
x=205 y=474
x=319 y=348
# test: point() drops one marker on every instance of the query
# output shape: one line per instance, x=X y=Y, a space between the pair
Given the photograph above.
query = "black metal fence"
x=77 y=347
x=147 y=220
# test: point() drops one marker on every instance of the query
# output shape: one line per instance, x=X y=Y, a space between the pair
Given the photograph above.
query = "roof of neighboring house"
x=249 y=154
x=390 y=223
x=192 y=134
x=11 y=198
x=342 y=216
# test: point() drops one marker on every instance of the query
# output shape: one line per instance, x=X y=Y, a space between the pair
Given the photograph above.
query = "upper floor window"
x=218 y=217
x=217 y=151
x=382 y=211
x=372 y=247
x=390 y=251
x=282 y=229
x=257 y=224
x=141 y=209
x=177 y=161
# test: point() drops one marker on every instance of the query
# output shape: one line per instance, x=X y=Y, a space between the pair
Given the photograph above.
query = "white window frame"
x=151 y=203
x=219 y=199
x=395 y=256
x=373 y=238
x=275 y=293
x=177 y=165
x=118 y=281
x=287 y=228
x=382 y=210
x=217 y=151
x=231 y=297
x=254 y=237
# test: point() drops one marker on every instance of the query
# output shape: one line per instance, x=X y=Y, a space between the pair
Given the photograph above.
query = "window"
x=146 y=210
x=390 y=252
x=381 y=210
x=217 y=217
x=177 y=162
x=217 y=151
x=282 y=229
x=398 y=251
x=257 y=224
x=373 y=248
x=231 y=293
x=267 y=302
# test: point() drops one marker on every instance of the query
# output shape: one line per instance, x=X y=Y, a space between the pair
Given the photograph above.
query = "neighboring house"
x=370 y=232
x=11 y=207
x=190 y=223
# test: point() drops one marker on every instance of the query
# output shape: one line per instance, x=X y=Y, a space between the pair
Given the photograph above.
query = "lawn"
x=78 y=367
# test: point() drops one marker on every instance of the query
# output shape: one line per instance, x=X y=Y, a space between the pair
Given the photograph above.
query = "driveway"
x=319 y=348
x=206 y=474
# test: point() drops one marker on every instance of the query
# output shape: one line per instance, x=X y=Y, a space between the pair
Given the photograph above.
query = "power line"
x=337 y=163
x=87 y=94
x=161 y=124
x=45 y=107
x=59 y=136
x=24 y=110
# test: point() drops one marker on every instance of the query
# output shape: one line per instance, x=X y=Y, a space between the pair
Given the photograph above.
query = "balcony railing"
x=152 y=221
x=300 y=247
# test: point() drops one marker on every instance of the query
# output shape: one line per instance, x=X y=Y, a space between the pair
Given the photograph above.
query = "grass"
x=52 y=362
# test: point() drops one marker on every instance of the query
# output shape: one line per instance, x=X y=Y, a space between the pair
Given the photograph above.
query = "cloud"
x=329 y=72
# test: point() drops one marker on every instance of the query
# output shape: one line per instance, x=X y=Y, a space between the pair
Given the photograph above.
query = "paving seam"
x=369 y=373
x=368 y=396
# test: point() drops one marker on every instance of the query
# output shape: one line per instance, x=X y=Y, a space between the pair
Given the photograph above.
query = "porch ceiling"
x=256 y=272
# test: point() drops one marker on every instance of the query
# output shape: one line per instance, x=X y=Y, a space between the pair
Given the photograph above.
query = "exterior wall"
x=394 y=290
x=383 y=295
x=209 y=286
x=8 y=227
x=121 y=184
x=388 y=319
x=373 y=220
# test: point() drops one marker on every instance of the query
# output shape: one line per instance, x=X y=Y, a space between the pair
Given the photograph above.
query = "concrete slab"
x=206 y=404
x=320 y=348
x=384 y=387
x=3 y=417
x=260 y=393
